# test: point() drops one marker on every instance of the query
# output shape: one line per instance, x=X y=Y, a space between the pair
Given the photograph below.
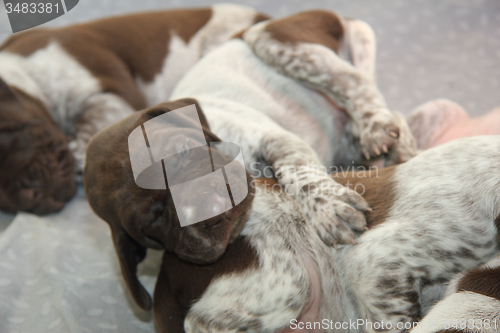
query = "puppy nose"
x=31 y=195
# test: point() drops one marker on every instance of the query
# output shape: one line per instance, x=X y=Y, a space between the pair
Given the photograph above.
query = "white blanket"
x=60 y=274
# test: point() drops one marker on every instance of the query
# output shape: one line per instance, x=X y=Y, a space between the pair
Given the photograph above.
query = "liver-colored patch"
x=318 y=27
x=378 y=186
x=482 y=280
x=379 y=191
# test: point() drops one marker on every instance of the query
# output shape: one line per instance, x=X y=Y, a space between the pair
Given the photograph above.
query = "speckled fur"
x=442 y=223
x=287 y=122
x=264 y=299
x=353 y=89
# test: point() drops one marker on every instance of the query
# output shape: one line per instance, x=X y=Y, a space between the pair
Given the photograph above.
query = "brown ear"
x=131 y=253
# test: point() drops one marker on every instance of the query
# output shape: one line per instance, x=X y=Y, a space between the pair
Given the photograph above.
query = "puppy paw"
x=406 y=147
x=334 y=210
x=379 y=135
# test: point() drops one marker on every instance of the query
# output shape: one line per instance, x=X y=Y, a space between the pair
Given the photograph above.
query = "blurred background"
x=427 y=49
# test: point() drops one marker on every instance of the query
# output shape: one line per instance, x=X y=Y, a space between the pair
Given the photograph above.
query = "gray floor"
x=426 y=48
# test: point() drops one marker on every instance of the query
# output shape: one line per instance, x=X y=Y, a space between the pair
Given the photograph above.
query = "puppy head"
x=142 y=218
x=37 y=167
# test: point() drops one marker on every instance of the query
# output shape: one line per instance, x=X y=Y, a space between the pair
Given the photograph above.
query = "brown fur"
x=318 y=27
x=378 y=191
x=377 y=188
x=175 y=290
x=497 y=225
x=482 y=280
x=37 y=167
x=141 y=218
x=258 y=18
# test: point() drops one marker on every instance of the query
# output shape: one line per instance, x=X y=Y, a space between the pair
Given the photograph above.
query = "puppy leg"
x=99 y=112
x=429 y=121
x=361 y=45
x=330 y=207
x=304 y=48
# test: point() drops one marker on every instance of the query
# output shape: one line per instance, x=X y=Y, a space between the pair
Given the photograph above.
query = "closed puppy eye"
x=182 y=148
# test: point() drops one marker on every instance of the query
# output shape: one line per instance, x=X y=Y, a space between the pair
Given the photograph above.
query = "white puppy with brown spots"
x=285 y=95
x=433 y=217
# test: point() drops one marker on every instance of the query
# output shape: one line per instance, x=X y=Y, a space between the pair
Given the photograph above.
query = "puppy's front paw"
x=334 y=210
x=379 y=134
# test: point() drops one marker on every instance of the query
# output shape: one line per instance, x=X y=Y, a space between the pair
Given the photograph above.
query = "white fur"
x=53 y=76
x=423 y=238
x=362 y=45
x=291 y=260
x=226 y=20
x=323 y=70
x=249 y=93
x=12 y=72
x=464 y=308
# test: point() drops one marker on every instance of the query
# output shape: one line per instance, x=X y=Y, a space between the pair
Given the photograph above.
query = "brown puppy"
x=37 y=167
x=181 y=283
x=141 y=218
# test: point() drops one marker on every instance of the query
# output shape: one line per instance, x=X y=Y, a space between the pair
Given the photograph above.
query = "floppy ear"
x=131 y=253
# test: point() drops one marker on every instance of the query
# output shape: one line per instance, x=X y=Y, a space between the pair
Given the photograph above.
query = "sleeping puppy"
x=142 y=218
x=37 y=167
x=432 y=217
x=75 y=81
x=249 y=103
x=471 y=305
x=287 y=98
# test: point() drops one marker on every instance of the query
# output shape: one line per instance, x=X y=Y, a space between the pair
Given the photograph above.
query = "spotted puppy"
x=75 y=81
x=472 y=304
x=287 y=98
x=433 y=217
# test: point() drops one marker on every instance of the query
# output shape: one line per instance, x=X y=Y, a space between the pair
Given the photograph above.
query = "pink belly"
x=310 y=313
